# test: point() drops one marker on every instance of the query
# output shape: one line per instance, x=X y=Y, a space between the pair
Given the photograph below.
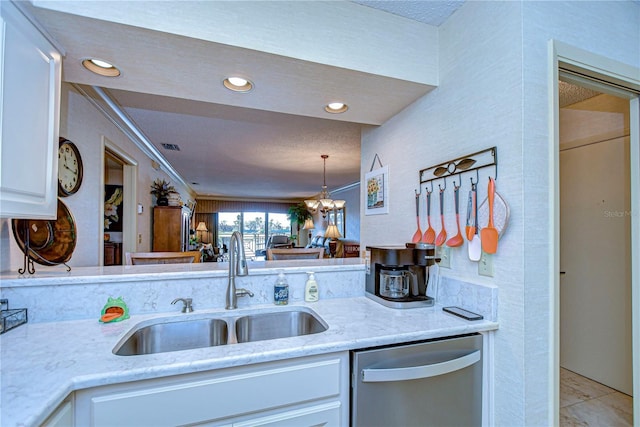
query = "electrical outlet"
x=444 y=253
x=485 y=265
x=139 y=238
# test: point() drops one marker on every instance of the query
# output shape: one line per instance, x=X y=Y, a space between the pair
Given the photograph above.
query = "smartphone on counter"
x=461 y=312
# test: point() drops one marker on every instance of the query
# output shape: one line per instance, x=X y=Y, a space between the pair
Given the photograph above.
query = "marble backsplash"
x=82 y=296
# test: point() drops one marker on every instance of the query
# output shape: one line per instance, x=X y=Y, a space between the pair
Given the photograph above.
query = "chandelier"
x=324 y=202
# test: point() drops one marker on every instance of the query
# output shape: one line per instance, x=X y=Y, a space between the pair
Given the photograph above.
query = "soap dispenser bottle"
x=281 y=290
x=311 y=289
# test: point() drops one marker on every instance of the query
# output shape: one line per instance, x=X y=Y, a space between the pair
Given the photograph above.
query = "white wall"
x=493 y=91
x=81 y=123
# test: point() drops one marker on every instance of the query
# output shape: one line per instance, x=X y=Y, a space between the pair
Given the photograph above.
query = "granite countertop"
x=41 y=363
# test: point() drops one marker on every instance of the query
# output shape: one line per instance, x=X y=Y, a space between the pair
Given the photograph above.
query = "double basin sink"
x=198 y=332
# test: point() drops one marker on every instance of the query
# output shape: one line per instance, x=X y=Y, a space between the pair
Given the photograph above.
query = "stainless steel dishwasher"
x=431 y=383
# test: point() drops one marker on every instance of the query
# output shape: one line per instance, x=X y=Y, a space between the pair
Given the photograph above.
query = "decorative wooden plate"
x=47 y=242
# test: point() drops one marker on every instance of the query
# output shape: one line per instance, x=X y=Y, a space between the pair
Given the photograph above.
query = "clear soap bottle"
x=311 y=289
x=281 y=290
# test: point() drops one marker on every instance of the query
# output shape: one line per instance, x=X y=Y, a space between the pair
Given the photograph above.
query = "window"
x=255 y=228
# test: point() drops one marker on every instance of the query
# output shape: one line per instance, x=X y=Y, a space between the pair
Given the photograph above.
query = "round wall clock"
x=69 y=168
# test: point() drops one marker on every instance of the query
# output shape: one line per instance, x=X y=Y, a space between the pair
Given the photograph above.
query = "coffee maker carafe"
x=398 y=277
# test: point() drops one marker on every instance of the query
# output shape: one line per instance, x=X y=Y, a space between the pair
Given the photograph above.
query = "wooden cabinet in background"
x=170 y=228
x=112 y=253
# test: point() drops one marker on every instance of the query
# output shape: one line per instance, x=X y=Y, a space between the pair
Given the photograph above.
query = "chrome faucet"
x=237 y=267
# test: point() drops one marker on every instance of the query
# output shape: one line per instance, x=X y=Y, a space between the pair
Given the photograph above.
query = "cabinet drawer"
x=327 y=414
x=215 y=397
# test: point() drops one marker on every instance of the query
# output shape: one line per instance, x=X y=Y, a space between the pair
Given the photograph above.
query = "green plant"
x=162 y=188
x=298 y=213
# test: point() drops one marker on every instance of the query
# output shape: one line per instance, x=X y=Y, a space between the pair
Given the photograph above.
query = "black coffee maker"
x=398 y=276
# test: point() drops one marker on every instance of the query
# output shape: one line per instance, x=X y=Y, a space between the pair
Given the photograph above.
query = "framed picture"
x=112 y=208
x=377 y=196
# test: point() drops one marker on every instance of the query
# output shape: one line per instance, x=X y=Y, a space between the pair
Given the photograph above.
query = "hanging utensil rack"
x=469 y=163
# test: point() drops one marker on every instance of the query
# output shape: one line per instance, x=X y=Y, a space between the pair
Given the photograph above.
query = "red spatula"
x=489 y=234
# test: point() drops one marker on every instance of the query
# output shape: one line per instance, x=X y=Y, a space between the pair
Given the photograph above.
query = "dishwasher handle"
x=370 y=375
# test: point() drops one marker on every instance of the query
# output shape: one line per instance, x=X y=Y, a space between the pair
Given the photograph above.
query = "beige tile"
x=583 y=388
x=594 y=413
x=567 y=420
x=586 y=403
x=621 y=404
x=569 y=396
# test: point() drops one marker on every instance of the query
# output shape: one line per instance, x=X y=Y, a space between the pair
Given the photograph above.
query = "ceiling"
x=263 y=144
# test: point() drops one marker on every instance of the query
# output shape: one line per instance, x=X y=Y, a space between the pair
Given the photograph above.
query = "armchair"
x=277 y=241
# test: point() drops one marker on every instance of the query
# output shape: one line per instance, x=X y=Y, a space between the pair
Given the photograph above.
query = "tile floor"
x=584 y=402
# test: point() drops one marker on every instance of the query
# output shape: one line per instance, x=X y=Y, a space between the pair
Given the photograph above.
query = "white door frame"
x=617 y=73
x=129 y=197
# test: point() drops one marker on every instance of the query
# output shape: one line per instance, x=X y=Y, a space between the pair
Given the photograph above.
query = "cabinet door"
x=167 y=229
x=29 y=116
x=62 y=416
x=312 y=388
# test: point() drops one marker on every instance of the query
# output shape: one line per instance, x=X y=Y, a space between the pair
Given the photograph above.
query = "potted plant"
x=298 y=214
x=162 y=189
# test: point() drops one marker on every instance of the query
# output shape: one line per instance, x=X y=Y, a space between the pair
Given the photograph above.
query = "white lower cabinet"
x=62 y=416
x=310 y=391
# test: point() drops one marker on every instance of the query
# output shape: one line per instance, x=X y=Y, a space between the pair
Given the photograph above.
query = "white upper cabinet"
x=30 y=74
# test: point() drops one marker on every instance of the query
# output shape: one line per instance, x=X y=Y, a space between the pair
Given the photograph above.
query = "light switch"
x=444 y=253
x=485 y=265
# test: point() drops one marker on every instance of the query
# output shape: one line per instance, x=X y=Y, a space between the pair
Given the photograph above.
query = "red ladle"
x=418 y=234
x=429 y=235
x=442 y=236
x=456 y=240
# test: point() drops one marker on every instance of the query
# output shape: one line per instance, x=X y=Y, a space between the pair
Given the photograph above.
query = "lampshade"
x=308 y=224
x=332 y=232
x=201 y=226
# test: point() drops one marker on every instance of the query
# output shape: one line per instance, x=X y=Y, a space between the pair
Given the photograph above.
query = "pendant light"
x=324 y=202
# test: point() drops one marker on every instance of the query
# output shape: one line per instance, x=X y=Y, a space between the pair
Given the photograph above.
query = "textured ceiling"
x=570 y=94
x=233 y=149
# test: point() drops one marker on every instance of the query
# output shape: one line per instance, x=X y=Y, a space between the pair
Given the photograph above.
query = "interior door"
x=595 y=244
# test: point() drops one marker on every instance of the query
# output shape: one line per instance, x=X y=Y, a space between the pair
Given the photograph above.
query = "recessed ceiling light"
x=336 y=107
x=237 y=84
x=101 y=67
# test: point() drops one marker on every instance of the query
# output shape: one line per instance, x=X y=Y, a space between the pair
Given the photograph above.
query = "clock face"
x=69 y=168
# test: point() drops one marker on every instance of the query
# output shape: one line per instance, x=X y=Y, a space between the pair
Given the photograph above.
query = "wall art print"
x=113 y=208
x=377 y=191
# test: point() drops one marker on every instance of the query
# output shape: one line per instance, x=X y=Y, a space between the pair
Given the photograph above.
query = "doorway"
x=621 y=80
x=118 y=216
x=595 y=256
x=113 y=209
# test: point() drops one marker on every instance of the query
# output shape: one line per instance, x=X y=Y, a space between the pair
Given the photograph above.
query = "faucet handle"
x=186 y=308
x=241 y=292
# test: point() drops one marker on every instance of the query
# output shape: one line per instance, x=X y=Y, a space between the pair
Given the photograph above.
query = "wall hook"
x=445 y=185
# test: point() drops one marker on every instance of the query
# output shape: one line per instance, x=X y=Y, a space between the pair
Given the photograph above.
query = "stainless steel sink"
x=173 y=336
x=267 y=326
x=185 y=334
